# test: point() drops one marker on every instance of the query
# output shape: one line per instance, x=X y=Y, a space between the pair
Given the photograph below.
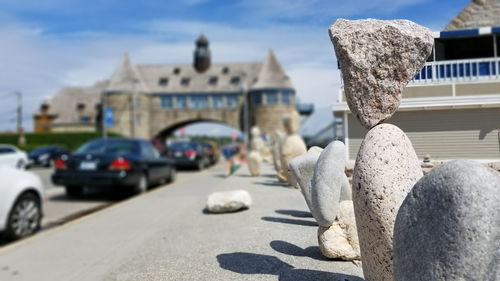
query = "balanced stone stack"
x=255 y=156
x=321 y=178
x=292 y=147
x=378 y=59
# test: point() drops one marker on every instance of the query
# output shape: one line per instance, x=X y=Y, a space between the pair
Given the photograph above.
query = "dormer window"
x=177 y=71
x=185 y=81
x=213 y=80
x=235 y=80
x=163 y=81
x=225 y=70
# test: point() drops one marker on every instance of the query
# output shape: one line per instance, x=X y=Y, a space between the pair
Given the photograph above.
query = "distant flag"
x=182 y=131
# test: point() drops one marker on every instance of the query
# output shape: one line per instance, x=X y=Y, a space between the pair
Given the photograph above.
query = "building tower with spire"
x=201 y=60
x=271 y=97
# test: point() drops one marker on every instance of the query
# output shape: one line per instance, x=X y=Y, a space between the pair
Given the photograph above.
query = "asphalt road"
x=166 y=235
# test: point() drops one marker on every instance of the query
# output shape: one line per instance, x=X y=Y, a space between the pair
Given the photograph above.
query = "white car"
x=21 y=203
x=12 y=156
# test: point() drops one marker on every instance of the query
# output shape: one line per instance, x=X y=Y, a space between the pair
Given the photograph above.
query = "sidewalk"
x=164 y=235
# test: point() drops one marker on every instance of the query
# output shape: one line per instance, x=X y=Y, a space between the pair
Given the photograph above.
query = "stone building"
x=153 y=100
x=451 y=109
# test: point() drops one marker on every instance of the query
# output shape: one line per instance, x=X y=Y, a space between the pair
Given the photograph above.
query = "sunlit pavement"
x=166 y=235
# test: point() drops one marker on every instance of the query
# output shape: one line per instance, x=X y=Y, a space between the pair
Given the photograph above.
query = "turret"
x=201 y=55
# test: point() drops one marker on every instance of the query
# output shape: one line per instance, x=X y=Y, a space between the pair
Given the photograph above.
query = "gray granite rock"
x=302 y=168
x=228 y=201
x=448 y=227
x=386 y=169
x=328 y=181
x=378 y=58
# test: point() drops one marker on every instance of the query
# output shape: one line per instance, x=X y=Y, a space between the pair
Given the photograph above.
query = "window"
x=185 y=81
x=286 y=97
x=235 y=80
x=148 y=151
x=136 y=102
x=177 y=71
x=272 y=98
x=199 y=101
x=180 y=102
x=225 y=70
x=217 y=101
x=232 y=101
x=137 y=119
x=166 y=102
x=163 y=81
x=213 y=80
x=256 y=98
x=85 y=119
x=6 y=150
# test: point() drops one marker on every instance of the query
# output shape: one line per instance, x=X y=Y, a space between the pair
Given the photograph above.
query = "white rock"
x=302 y=168
x=228 y=201
x=292 y=147
x=386 y=169
x=254 y=163
x=340 y=240
x=328 y=183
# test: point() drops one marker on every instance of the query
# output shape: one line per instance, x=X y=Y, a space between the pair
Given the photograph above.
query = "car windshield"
x=183 y=145
x=120 y=147
x=43 y=149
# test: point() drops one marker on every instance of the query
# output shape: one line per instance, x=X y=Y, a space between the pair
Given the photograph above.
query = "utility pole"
x=104 y=105
x=20 y=131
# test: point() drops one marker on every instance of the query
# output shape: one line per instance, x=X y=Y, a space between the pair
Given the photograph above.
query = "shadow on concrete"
x=295 y=213
x=273 y=176
x=273 y=183
x=290 y=221
x=92 y=196
x=250 y=263
x=294 y=250
x=206 y=212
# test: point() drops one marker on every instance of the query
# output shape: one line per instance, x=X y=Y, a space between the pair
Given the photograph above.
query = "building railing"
x=458 y=70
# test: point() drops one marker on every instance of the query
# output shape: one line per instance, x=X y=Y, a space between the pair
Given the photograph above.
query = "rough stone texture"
x=302 y=168
x=228 y=201
x=254 y=163
x=448 y=227
x=386 y=169
x=329 y=183
x=340 y=240
x=378 y=58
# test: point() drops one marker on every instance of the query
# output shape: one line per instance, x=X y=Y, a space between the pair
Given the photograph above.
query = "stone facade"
x=478 y=13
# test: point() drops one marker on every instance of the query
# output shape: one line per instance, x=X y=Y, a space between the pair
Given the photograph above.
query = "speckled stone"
x=378 y=59
x=386 y=169
x=448 y=227
x=329 y=182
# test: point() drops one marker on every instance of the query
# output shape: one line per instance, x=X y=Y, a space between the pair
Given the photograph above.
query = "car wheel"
x=74 y=191
x=142 y=185
x=24 y=217
x=172 y=175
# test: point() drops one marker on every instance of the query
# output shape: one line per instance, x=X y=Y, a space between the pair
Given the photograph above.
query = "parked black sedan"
x=131 y=164
x=46 y=155
x=188 y=154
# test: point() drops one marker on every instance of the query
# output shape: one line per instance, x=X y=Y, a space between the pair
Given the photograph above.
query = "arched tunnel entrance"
x=197 y=129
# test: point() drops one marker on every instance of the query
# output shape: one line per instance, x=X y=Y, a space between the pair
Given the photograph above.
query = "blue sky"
x=54 y=43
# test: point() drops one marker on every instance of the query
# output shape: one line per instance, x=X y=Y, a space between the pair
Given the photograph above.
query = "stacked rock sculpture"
x=255 y=157
x=276 y=142
x=321 y=177
x=378 y=58
x=292 y=147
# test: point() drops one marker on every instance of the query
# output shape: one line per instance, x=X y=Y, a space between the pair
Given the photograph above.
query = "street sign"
x=109 y=121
